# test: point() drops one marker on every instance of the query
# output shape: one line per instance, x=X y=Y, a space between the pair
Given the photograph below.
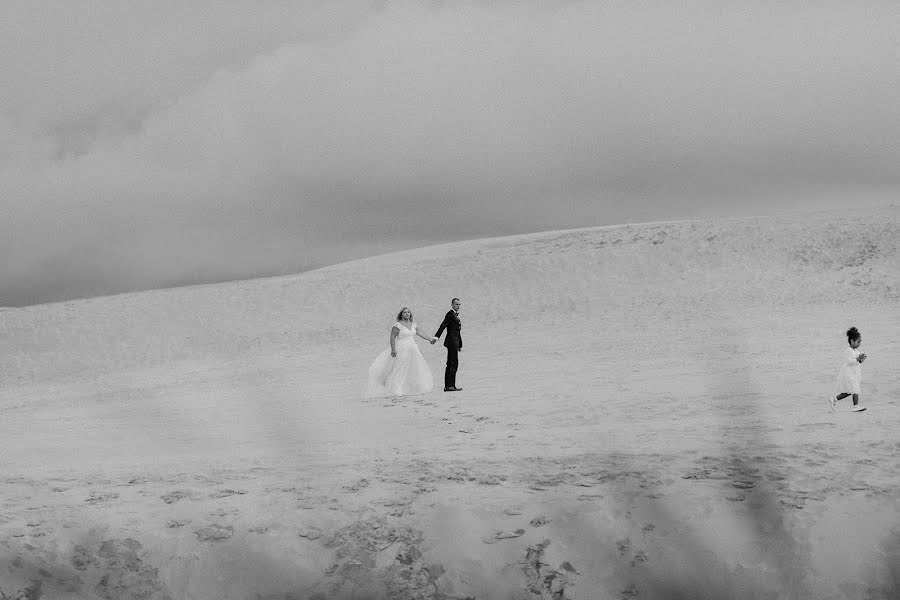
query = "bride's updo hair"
x=853 y=334
x=400 y=314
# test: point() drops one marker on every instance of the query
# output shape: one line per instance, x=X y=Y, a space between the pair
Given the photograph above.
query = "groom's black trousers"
x=452 y=365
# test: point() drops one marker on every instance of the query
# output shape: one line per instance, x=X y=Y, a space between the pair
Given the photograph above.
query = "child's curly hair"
x=853 y=334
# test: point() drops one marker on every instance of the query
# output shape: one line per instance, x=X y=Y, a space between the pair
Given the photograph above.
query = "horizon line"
x=432 y=246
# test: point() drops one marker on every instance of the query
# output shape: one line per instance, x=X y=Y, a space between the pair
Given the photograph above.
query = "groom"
x=453 y=343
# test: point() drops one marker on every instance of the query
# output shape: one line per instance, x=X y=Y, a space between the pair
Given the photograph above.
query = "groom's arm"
x=442 y=327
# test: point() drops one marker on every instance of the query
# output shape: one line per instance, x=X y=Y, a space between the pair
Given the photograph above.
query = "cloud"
x=155 y=146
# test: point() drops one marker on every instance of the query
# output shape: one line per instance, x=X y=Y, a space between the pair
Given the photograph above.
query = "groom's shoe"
x=452 y=389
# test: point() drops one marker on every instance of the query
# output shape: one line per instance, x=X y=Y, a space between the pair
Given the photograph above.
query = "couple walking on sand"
x=401 y=370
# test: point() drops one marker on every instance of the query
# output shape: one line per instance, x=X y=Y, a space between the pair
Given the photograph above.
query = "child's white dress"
x=850 y=373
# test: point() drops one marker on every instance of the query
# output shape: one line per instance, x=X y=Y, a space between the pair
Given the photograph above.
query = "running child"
x=851 y=372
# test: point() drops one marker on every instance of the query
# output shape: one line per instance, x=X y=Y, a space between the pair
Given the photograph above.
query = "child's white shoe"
x=831 y=401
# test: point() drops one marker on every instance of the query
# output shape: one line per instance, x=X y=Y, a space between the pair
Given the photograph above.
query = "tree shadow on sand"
x=784 y=563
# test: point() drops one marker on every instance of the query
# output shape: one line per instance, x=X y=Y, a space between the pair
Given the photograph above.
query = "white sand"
x=645 y=403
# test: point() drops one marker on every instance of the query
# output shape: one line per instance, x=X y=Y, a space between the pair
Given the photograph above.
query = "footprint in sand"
x=260 y=529
x=225 y=493
x=502 y=535
x=639 y=557
x=207 y=480
x=540 y=521
x=490 y=480
x=100 y=497
x=357 y=486
x=402 y=501
x=175 y=523
x=589 y=497
x=175 y=496
x=310 y=532
x=214 y=533
x=743 y=485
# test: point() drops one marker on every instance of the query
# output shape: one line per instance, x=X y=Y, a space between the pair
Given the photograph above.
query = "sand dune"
x=643 y=416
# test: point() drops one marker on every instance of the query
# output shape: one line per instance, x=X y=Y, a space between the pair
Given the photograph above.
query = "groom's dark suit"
x=453 y=342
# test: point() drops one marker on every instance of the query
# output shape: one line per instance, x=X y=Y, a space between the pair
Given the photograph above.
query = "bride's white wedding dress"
x=404 y=375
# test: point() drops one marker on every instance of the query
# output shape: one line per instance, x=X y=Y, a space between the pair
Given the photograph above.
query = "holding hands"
x=433 y=340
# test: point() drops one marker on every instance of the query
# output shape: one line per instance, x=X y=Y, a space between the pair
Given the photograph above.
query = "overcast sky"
x=149 y=144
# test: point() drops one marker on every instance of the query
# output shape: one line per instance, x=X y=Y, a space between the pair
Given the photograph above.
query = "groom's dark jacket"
x=452 y=325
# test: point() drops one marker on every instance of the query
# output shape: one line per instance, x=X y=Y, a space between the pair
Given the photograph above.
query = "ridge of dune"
x=668 y=267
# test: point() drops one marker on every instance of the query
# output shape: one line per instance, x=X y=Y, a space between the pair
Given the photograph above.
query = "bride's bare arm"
x=425 y=337
x=394 y=331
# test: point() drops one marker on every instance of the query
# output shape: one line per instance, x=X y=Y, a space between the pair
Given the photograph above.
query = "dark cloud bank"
x=149 y=147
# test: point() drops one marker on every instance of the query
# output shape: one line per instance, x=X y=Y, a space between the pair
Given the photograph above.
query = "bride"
x=401 y=370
